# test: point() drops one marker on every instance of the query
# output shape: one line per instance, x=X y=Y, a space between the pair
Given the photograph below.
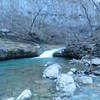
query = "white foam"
x=49 y=53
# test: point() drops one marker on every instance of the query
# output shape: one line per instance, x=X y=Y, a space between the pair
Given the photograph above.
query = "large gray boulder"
x=66 y=85
x=52 y=71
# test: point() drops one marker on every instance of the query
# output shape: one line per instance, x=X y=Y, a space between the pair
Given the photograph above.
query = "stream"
x=18 y=75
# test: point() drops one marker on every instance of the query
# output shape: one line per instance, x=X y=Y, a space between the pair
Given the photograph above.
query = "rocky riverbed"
x=71 y=85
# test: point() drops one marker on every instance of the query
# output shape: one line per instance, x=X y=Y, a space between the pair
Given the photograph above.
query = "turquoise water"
x=17 y=75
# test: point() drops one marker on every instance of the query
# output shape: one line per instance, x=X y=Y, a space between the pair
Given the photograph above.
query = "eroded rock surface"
x=13 y=50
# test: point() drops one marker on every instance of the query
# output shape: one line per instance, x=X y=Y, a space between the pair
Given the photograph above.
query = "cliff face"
x=57 y=19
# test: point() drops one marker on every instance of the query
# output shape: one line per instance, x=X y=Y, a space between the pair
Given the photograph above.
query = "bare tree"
x=87 y=16
x=32 y=35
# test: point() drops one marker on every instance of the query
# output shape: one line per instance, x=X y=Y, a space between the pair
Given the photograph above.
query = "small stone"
x=70 y=73
x=73 y=70
x=12 y=98
x=58 y=98
x=25 y=95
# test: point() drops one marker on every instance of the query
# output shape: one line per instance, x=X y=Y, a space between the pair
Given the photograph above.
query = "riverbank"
x=14 y=50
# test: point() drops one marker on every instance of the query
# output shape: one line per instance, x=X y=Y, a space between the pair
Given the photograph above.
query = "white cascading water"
x=49 y=53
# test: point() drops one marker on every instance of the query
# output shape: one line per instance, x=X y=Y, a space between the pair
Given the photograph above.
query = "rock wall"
x=57 y=20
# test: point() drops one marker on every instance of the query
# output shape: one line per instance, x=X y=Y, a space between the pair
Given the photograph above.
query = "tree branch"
x=95 y=5
x=87 y=16
x=30 y=29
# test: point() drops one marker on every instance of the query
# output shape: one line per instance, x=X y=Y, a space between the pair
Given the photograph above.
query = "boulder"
x=65 y=84
x=25 y=95
x=52 y=71
x=76 y=50
x=95 y=61
x=13 y=50
x=85 y=80
x=96 y=72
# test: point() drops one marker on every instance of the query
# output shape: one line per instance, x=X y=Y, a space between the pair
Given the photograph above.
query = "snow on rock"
x=65 y=84
x=52 y=71
x=85 y=80
x=25 y=95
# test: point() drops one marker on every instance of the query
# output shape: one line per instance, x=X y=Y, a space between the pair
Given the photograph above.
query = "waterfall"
x=49 y=53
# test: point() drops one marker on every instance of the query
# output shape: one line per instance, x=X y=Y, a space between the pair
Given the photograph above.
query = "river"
x=18 y=75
